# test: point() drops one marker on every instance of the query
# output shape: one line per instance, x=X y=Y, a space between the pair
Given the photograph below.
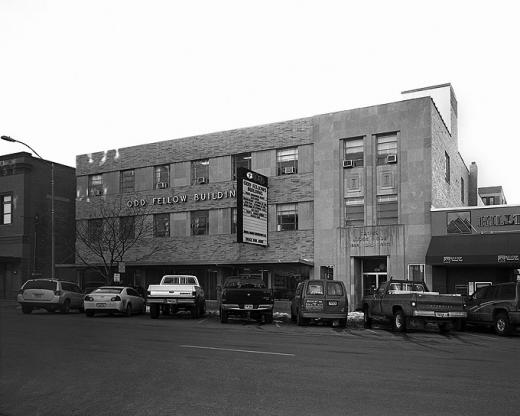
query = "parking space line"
x=237 y=350
x=204 y=320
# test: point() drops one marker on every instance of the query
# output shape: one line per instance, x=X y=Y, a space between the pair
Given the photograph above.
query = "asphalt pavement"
x=56 y=364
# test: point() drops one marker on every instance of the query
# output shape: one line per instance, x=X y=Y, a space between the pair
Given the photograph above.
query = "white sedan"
x=114 y=299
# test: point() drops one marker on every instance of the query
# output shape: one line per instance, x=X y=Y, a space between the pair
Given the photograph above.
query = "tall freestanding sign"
x=251 y=207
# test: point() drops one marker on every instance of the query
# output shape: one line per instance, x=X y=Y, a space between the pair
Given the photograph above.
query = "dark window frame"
x=287 y=219
x=240 y=160
x=199 y=221
x=161 y=225
x=127 y=180
x=3 y=204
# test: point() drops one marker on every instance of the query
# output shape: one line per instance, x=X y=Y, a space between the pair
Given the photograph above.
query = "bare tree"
x=116 y=231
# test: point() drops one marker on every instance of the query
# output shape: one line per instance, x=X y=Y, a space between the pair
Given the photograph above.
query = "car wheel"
x=367 y=320
x=399 y=322
x=223 y=316
x=268 y=318
x=26 y=309
x=460 y=325
x=66 y=307
x=128 y=311
x=300 y=320
x=342 y=323
x=89 y=313
x=154 y=311
x=293 y=316
x=502 y=325
x=444 y=328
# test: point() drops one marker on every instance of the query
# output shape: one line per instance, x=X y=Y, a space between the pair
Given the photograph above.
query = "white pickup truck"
x=174 y=293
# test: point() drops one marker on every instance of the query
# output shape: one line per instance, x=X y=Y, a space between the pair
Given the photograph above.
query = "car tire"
x=268 y=318
x=399 y=322
x=367 y=320
x=66 y=307
x=460 y=325
x=300 y=320
x=154 y=311
x=293 y=316
x=128 y=310
x=342 y=323
x=195 y=311
x=26 y=309
x=89 y=313
x=501 y=324
x=444 y=328
x=203 y=309
x=223 y=316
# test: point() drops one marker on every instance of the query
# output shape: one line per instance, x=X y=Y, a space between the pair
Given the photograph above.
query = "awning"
x=475 y=249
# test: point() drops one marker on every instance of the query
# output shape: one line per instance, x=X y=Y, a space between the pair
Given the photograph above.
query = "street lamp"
x=10 y=139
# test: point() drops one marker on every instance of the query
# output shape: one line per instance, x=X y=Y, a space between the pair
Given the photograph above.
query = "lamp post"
x=10 y=139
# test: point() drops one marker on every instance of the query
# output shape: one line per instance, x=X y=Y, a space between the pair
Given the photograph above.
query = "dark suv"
x=497 y=306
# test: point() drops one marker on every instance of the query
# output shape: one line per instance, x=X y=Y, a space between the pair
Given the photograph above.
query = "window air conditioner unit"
x=391 y=159
x=98 y=192
x=201 y=180
x=348 y=163
x=287 y=170
x=162 y=185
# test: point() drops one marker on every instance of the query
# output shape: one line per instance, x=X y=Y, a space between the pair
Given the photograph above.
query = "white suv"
x=50 y=295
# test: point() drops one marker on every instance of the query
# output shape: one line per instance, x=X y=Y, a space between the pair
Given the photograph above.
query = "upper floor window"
x=354 y=211
x=200 y=222
x=6 y=209
x=286 y=217
x=386 y=148
x=127 y=228
x=234 y=213
x=95 y=230
x=387 y=210
x=95 y=185
x=242 y=160
x=353 y=154
x=447 y=167
x=127 y=180
x=161 y=177
x=200 y=171
x=161 y=225
x=287 y=161
x=462 y=189
x=416 y=272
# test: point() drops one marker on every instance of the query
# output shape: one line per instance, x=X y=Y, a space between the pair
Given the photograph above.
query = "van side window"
x=334 y=289
x=315 y=288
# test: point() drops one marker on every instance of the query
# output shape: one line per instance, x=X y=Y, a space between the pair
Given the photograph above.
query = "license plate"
x=248 y=306
x=101 y=305
x=38 y=295
x=333 y=303
x=171 y=300
x=442 y=314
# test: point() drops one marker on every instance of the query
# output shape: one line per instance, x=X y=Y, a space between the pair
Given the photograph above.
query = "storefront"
x=471 y=247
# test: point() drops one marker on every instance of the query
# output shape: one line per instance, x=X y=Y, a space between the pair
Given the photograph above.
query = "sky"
x=78 y=77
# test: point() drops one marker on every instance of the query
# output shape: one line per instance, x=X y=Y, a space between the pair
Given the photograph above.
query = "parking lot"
x=68 y=364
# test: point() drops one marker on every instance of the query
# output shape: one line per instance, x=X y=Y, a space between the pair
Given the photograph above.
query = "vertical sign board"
x=251 y=207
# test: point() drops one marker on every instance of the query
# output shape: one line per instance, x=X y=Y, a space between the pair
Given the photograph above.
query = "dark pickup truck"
x=408 y=303
x=246 y=297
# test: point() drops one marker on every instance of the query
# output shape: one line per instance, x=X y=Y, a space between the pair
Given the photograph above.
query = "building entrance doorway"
x=374 y=273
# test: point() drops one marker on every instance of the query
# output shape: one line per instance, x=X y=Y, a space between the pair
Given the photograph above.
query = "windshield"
x=111 y=290
x=245 y=284
x=40 y=284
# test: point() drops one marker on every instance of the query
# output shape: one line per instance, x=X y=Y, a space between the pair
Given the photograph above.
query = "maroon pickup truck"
x=408 y=303
x=246 y=297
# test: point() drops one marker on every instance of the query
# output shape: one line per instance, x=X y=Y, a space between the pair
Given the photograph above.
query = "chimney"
x=473 y=185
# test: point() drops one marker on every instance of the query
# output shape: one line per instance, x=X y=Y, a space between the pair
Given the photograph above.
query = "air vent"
x=348 y=163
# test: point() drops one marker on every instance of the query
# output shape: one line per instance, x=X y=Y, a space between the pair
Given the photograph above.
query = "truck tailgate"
x=171 y=290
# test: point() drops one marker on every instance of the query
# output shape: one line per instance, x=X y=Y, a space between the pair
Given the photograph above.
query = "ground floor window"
x=416 y=272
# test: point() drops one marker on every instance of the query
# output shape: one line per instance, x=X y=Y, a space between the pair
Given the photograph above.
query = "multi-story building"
x=492 y=195
x=349 y=196
x=25 y=219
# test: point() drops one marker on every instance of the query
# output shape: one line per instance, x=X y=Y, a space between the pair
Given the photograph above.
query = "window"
x=416 y=272
x=95 y=230
x=161 y=177
x=334 y=289
x=286 y=217
x=161 y=225
x=127 y=228
x=462 y=189
x=458 y=222
x=287 y=161
x=6 y=209
x=200 y=222
x=386 y=148
x=315 y=288
x=387 y=210
x=127 y=180
x=243 y=160
x=234 y=213
x=95 y=185
x=354 y=211
x=353 y=150
x=447 y=167
x=200 y=172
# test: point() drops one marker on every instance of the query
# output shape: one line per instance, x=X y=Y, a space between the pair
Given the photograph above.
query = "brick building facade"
x=350 y=195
